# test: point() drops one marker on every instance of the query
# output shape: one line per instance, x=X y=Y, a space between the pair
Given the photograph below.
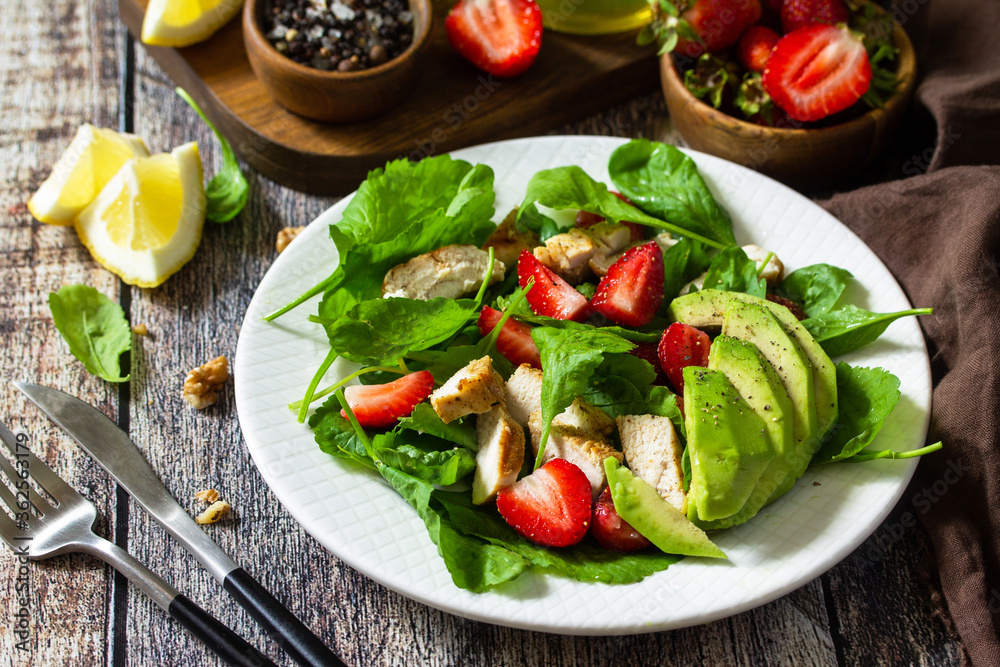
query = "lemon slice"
x=185 y=22
x=91 y=159
x=146 y=223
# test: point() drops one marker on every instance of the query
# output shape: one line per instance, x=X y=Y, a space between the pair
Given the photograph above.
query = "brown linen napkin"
x=939 y=234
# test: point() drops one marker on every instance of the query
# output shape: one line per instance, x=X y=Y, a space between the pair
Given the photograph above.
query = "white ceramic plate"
x=366 y=524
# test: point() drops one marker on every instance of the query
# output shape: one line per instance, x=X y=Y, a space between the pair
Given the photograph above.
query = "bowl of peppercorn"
x=336 y=60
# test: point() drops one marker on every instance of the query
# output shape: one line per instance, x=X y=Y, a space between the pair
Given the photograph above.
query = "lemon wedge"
x=91 y=159
x=146 y=223
x=185 y=22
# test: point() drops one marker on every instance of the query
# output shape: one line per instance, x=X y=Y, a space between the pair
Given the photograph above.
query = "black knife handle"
x=226 y=644
x=296 y=639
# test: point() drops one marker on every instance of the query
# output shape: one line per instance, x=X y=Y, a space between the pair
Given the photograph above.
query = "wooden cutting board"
x=452 y=105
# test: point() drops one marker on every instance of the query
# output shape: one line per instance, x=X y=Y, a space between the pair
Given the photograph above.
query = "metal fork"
x=40 y=529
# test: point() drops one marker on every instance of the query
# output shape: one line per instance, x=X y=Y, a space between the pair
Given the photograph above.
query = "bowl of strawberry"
x=806 y=91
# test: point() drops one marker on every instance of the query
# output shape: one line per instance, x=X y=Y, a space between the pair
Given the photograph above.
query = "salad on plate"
x=597 y=384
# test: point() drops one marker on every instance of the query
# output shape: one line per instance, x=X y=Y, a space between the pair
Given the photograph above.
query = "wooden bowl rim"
x=279 y=61
x=906 y=72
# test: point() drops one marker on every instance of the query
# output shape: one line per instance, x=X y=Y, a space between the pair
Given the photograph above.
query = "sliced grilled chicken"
x=500 y=455
x=581 y=449
x=508 y=242
x=449 y=272
x=653 y=452
x=472 y=390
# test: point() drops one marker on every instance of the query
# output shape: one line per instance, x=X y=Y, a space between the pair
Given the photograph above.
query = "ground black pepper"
x=342 y=35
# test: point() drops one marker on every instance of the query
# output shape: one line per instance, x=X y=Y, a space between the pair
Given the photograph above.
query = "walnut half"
x=215 y=511
x=202 y=385
x=286 y=236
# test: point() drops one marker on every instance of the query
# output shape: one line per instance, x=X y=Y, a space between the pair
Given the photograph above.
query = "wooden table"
x=65 y=62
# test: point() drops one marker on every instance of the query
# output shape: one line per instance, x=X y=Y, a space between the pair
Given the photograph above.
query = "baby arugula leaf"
x=866 y=396
x=849 y=328
x=571 y=188
x=570 y=357
x=664 y=182
x=732 y=271
x=95 y=328
x=816 y=288
x=226 y=194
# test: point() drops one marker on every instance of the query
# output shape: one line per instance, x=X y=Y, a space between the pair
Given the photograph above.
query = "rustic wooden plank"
x=452 y=104
x=884 y=614
x=59 y=68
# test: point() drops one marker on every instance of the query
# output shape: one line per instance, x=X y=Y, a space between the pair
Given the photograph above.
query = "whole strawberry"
x=797 y=14
x=755 y=47
x=717 y=23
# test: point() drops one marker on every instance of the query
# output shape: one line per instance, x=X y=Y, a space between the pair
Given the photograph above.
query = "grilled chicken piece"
x=773 y=272
x=653 y=452
x=500 y=455
x=474 y=389
x=579 y=448
x=523 y=395
x=508 y=242
x=448 y=272
x=612 y=240
x=568 y=254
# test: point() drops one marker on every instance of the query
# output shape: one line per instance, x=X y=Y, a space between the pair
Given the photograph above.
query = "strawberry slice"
x=551 y=296
x=586 y=219
x=789 y=304
x=500 y=37
x=380 y=405
x=681 y=346
x=816 y=71
x=754 y=49
x=551 y=506
x=514 y=340
x=632 y=291
x=610 y=530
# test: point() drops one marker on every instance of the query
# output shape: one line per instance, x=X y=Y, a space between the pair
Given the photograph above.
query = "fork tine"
x=42 y=505
x=42 y=473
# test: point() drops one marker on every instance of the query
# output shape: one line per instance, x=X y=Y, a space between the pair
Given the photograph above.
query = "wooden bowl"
x=340 y=97
x=805 y=158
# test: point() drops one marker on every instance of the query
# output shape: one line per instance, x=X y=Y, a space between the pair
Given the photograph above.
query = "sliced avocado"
x=755 y=323
x=707 y=308
x=759 y=385
x=657 y=520
x=728 y=445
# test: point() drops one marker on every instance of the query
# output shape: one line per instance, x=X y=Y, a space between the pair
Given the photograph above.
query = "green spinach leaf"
x=380 y=331
x=866 y=397
x=569 y=357
x=664 y=182
x=816 y=288
x=424 y=456
x=732 y=271
x=95 y=328
x=849 y=328
x=423 y=419
x=571 y=188
x=683 y=261
x=226 y=194
x=336 y=436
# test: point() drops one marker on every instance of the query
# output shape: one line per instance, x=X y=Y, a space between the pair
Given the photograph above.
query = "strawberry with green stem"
x=700 y=26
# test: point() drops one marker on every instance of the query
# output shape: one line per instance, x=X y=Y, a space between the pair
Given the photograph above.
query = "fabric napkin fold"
x=939 y=234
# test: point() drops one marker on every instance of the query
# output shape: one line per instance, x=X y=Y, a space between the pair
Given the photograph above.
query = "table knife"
x=112 y=448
